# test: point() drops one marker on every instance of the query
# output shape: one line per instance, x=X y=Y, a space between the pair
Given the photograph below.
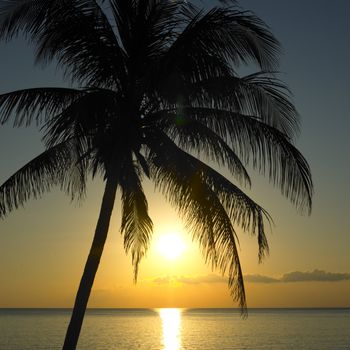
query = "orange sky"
x=45 y=255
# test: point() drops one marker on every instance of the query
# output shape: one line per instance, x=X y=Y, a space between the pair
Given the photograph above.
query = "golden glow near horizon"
x=171 y=245
x=171 y=326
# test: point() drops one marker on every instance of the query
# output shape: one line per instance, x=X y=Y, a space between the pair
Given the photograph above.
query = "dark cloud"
x=260 y=279
x=300 y=276
x=294 y=276
x=315 y=275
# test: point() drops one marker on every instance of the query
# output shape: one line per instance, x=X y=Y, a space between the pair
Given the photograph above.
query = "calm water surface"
x=179 y=329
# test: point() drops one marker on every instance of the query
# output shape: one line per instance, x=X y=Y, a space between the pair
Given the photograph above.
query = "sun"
x=171 y=245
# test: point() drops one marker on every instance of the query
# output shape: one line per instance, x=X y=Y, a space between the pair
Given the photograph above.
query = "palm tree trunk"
x=91 y=265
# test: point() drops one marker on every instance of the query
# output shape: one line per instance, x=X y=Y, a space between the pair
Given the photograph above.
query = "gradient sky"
x=43 y=247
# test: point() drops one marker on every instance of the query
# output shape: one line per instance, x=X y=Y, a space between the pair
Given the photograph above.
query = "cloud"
x=294 y=276
x=260 y=279
x=315 y=275
x=299 y=276
x=203 y=279
x=212 y=278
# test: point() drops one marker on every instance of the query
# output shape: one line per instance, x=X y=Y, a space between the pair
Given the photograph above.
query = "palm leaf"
x=222 y=34
x=136 y=225
x=57 y=166
x=84 y=43
x=227 y=256
x=260 y=95
x=241 y=209
x=39 y=104
x=145 y=28
x=23 y=15
x=83 y=118
x=76 y=33
x=268 y=150
x=208 y=202
x=197 y=138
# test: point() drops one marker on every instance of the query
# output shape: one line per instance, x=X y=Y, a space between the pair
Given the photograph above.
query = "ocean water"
x=179 y=329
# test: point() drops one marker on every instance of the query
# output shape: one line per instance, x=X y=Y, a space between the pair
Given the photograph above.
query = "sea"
x=179 y=329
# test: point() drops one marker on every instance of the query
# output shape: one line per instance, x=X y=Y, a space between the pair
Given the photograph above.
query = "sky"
x=43 y=246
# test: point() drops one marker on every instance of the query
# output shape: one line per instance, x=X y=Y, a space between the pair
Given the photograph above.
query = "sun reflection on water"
x=171 y=324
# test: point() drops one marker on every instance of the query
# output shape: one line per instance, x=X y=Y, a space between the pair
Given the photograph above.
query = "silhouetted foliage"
x=161 y=98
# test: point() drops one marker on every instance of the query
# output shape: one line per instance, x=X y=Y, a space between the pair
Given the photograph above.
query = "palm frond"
x=261 y=95
x=83 y=118
x=191 y=57
x=143 y=163
x=37 y=104
x=209 y=219
x=227 y=256
x=23 y=15
x=269 y=150
x=223 y=34
x=136 y=225
x=197 y=138
x=84 y=43
x=208 y=202
x=76 y=33
x=242 y=210
x=266 y=97
x=57 y=166
x=145 y=27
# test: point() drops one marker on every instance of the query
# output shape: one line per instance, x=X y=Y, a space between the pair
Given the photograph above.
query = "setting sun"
x=171 y=245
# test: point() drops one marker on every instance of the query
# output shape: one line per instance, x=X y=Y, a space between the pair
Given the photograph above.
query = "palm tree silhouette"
x=159 y=97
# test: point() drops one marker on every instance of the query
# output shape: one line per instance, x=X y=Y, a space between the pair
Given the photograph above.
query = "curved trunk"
x=91 y=265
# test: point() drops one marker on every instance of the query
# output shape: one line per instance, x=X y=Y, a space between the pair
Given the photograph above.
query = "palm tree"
x=158 y=96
